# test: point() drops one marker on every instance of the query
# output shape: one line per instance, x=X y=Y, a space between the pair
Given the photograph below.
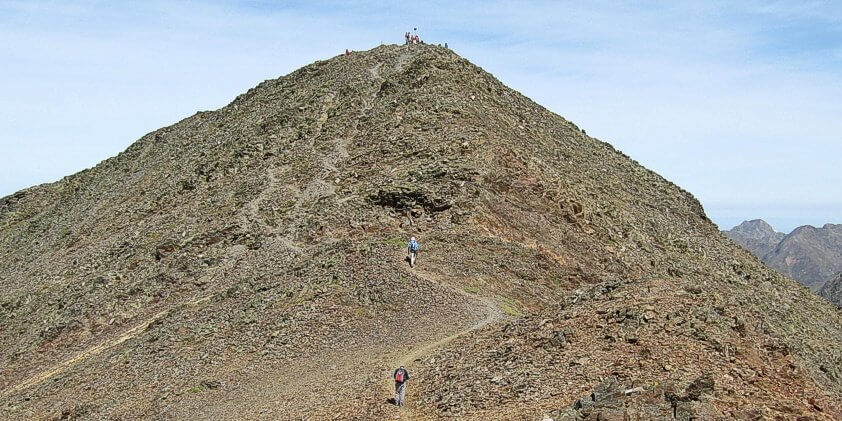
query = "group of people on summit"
x=412 y=38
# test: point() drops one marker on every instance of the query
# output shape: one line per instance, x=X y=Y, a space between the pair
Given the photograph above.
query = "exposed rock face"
x=832 y=289
x=246 y=263
x=610 y=400
x=756 y=236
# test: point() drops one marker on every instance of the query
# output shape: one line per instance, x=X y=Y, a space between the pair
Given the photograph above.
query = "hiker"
x=347 y=53
x=400 y=376
x=445 y=45
x=406 y=37
x=412 y=250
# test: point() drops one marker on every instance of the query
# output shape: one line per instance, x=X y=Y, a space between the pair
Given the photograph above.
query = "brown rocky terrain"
x=808 y=254
x=832 y=289
x=248 y=263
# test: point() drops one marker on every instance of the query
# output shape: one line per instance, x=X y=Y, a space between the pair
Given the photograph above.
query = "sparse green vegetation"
x=511 y=307
x=362 y=312
x=396 y=242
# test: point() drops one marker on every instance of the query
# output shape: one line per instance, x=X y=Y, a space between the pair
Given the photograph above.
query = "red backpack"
x=399 y=376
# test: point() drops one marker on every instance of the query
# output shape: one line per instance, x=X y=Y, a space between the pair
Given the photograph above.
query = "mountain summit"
x=247 y=263
x=811 y=255
x=756 y=235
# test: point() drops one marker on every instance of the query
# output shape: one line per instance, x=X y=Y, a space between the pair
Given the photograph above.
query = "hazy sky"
x=738 y=102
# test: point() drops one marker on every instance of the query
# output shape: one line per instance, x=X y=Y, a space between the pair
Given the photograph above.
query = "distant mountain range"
x=810 y=255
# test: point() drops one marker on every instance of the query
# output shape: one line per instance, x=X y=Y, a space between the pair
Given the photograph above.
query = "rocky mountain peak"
x=754 y=225
x=188 y=276
x=756 y=235
x=808 y=254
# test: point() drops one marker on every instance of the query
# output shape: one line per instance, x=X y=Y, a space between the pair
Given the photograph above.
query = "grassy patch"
x=472 y=289
x=511 y=307
x=396 y=242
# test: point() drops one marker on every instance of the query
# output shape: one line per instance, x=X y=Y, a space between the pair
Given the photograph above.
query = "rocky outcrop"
x=611 y=400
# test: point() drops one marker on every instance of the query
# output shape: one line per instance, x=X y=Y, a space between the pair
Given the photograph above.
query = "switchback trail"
x=359 y=362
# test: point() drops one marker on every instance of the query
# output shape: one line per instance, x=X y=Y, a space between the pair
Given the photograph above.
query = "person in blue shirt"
x=412 y=250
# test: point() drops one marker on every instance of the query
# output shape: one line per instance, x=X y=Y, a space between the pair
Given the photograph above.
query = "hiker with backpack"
x=412 y=250
x=401 y=376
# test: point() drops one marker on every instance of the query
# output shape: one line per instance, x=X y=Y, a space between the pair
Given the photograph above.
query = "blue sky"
x=737 y=102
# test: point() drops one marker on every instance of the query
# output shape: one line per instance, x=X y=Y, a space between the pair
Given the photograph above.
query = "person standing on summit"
x=400 y=376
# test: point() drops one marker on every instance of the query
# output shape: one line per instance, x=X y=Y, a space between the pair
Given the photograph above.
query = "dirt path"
x=358 y=370
x=493 y=314
x=110 y=343
x=360 y=376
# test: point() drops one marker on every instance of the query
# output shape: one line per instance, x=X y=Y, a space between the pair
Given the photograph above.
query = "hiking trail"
x=361 y=376
x=493 y=314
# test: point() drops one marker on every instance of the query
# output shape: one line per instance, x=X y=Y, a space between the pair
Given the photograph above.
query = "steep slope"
x=832 y=289
x=809 y=254
x=228 y=264
x=757 y=236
